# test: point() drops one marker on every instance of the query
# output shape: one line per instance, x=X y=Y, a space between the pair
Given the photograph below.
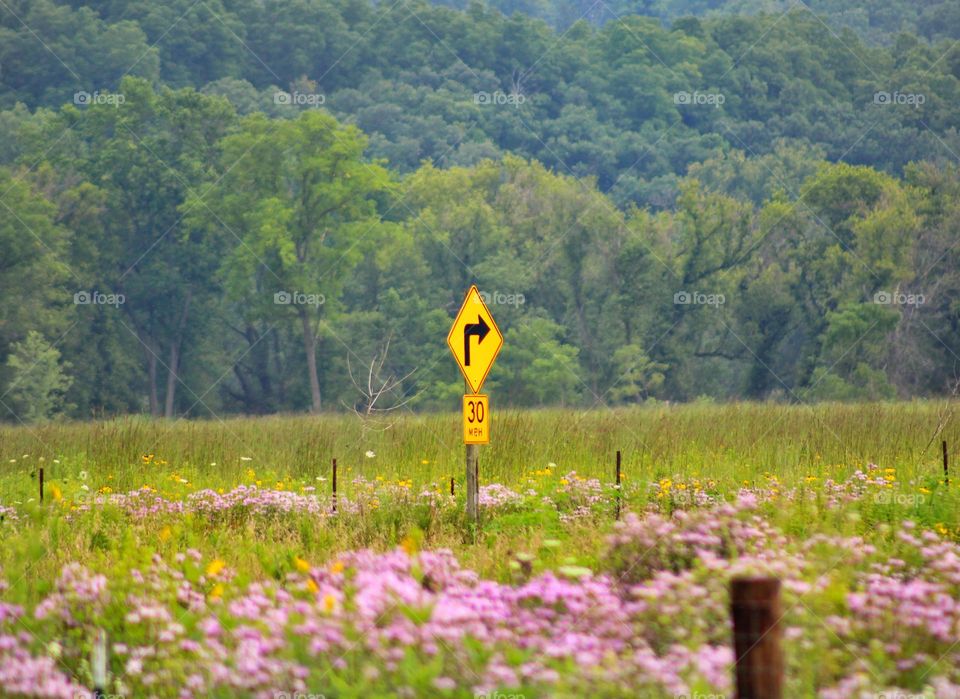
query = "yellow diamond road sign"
x=475 y=339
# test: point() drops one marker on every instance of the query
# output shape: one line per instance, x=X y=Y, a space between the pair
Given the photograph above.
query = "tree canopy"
x=264 y=206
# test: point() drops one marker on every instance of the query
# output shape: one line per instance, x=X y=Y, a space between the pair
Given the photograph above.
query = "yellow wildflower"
x=215 y=567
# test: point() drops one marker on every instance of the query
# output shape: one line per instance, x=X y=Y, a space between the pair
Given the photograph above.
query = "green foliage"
x=38 y=379
x=639 y=376
x=539 y=369
x=51 y=51
x=600 y=101
x=32 y=271
x=634 y=246
x=303 y=206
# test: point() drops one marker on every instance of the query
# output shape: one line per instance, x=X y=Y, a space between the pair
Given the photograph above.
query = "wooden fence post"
x=334 y=485
x=618 y=484
x=98 y=664
x=946 y=467
x=41 y=484
x=755 y=608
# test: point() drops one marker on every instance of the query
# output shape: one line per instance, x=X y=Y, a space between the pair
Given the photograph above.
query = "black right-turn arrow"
x=480 y=329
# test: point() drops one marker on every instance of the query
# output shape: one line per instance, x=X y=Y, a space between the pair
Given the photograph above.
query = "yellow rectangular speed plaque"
x=476 y=419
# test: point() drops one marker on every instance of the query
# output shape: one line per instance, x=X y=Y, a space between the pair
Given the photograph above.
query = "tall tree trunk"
x=279 y=362
x=173 y=367
x=261 y=360
x=171 y=379
x=150 y=350
x=152 y=374
x=310 y=346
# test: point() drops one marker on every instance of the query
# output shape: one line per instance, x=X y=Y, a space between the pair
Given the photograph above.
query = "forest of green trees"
x=252 y=206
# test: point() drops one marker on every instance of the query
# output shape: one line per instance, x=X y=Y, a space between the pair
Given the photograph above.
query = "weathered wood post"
x=946 y=465
x=473 y=489
x=334 y=485
x=98 y=664
x=756 y=612
x=41 y=484
x=453 y=487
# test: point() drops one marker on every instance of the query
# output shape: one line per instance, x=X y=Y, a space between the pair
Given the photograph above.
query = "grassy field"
x=736 y=442
x=187 y=521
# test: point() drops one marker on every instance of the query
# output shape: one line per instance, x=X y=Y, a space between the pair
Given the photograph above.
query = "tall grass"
x=742 y=441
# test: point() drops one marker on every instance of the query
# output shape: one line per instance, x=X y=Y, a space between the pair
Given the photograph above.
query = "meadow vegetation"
x=211 y=555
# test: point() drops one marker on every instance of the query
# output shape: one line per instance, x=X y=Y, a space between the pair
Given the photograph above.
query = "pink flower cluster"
x=79 y=596
x=856 y=485
x=656 y=623
x=24 y=673
x=639 y=547
x=364 y=619
x=497 y=496
x=245 y=500
x=242 y=499
x=909 y=604
x=578 y=497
